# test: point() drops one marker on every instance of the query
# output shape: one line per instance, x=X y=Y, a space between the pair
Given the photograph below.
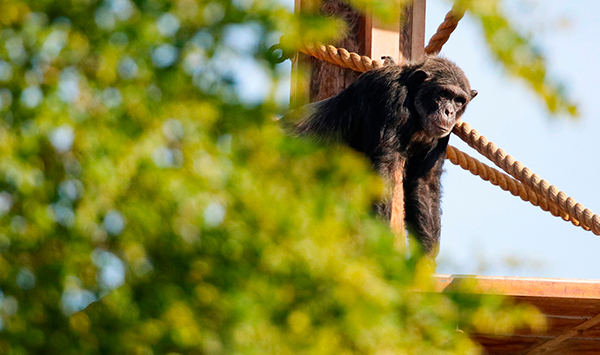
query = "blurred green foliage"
x=517 y=53
x=149 y=203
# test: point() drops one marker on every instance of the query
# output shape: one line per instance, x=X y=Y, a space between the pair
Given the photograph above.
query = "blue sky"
x=487 y=231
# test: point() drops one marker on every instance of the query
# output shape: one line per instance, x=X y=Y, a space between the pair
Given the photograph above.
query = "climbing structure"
x=523 y=183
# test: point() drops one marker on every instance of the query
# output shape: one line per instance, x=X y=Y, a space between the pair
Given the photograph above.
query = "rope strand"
x=523 y=174
x=444 y=31
x=506 y=183
x=341 y=57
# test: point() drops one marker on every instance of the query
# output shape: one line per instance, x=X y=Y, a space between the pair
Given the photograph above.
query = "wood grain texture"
x=328 y=79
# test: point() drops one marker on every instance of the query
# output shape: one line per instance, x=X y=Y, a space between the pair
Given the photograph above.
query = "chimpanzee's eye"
x=460 y=100
x=445 y=93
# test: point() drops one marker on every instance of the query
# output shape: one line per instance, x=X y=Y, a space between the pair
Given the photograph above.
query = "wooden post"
x=412 y=47
x=383 y=39
x=403 y=40
x=412 y=34
x=328 y=79
x=397 y=215
x=365 y=36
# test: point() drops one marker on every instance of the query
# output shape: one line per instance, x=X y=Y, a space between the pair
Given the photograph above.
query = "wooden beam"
x=555 y=342
x=412 y=33
x=412 y=47
x=526 y=287
x=383 y=39
x=365 y=36
x=326 y=79
x=397 y=216
x=571 y=307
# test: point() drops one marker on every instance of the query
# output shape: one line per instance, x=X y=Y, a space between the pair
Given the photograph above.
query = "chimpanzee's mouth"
x=443 y=130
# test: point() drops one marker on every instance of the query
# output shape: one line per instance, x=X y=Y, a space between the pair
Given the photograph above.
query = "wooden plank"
x=412 y=44
x=553 y=343
x=593 y=332
x=505 y=345
x=523 y=286
x=383 y=39
x=315 y=80
x=329 y=79
x=412 y=33
x=572 y=308
x=557 y=325
x=397 y=215
x=584 y=308
x=577 y=346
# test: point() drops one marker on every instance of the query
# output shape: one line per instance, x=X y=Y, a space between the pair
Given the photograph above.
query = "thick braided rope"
x=547 y=196
x=542 y=187
x=341 y=57
x=443 y=32
x=354 y=61
x=559 y=203
x=505 y=182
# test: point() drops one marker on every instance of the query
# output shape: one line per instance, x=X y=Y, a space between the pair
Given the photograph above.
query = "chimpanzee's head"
x=442 y=93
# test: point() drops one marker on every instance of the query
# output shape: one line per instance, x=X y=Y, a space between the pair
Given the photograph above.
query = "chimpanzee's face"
x=441 y=93
x=440 y=106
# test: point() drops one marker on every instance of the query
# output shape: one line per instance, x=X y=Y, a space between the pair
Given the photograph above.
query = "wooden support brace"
x=383 y=39
x=412 y=33
x=412 y=44
x=553 y=343
x=397 y=216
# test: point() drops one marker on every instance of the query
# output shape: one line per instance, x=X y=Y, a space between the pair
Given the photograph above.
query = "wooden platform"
x=571 y=307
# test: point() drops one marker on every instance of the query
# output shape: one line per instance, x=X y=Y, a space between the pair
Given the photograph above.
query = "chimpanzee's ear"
x=418 y=77
x=473 y=94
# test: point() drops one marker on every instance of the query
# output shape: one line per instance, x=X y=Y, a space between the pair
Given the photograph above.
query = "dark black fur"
x=399 y=115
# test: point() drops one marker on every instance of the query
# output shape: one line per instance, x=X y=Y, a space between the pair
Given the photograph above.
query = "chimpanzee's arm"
x=422 y=191
x=364 y=116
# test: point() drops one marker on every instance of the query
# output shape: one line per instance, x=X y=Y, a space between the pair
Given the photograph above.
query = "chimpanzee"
x=399 y=116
